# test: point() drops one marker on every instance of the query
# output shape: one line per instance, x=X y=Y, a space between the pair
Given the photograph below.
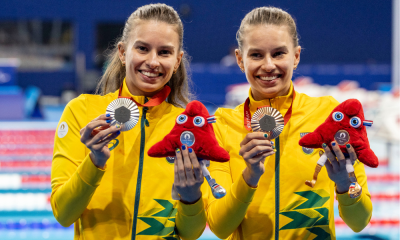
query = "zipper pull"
x=146 y=122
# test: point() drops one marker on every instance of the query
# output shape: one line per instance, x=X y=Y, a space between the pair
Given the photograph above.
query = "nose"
x=152 y=60
x=268 y=65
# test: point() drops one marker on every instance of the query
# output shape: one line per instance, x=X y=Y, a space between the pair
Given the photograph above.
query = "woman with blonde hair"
x=102 y=179
x=267 y=197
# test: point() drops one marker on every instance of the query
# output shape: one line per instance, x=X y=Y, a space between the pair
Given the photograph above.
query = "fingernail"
x=324 y=145
x=190 y=150
x=108 y=121
x=266 y=135
x=118 y=126
x=333 y=144
x=119 y=132
x=178 y=150
x=348 y=145
x=274 y=150
x=107 y=115
x=272 y=143
x=183 y=147
x=273 y=147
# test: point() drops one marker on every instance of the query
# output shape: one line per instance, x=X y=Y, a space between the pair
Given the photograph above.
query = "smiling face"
x=151 y=55
x=268 y=57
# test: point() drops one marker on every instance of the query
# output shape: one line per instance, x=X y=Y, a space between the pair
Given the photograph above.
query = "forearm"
x=70 y=198
x=190 y=220
x=225 y=215
x=356 y=213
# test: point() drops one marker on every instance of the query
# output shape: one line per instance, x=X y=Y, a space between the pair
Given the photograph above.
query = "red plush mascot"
x=193 y=128
x=346 y=125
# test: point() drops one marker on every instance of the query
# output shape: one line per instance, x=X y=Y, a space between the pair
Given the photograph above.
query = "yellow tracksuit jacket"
x=131 y=198
x=282 y=206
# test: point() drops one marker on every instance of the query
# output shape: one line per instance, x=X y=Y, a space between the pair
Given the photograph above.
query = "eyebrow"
x=275 y=49
x=281 y=48
x=146 y=44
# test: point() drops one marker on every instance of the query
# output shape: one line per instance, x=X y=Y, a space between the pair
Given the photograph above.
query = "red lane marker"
x=374 y=222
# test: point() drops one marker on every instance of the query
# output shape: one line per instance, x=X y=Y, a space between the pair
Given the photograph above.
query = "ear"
x=179 y=59
x=121 y=52
x=239 y=58
x=297 y=51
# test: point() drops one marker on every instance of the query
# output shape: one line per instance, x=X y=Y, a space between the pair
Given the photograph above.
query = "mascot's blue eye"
x=198 y=121
x=355 y=122
x=181 y=119
x=337 y=116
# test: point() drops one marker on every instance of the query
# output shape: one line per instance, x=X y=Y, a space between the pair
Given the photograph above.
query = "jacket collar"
x=281 y=103
x=152 y=112
x=126 y=93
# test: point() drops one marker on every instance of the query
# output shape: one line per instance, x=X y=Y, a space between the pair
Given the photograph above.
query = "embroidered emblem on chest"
x=307 y=151
x=113 y=144
x=170 y=160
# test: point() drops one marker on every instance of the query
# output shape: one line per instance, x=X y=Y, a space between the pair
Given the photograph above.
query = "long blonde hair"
x=115 y=73
x=269 y=16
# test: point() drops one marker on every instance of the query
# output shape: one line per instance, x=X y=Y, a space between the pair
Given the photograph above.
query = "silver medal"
x=342 y=137
x=268 y=120
x=124 y=112
x=187 y=137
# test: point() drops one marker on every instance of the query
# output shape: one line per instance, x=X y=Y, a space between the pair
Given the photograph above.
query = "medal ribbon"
x=155 y=100
x=247 y=114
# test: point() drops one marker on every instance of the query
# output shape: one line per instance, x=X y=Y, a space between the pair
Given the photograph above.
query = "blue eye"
x=181 y=119
x=198 y=121
x=337 y=116
x=355 y=122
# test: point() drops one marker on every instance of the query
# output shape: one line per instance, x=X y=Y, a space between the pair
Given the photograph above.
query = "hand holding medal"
x=96 y=135
x=266 y=123
x=122 y=114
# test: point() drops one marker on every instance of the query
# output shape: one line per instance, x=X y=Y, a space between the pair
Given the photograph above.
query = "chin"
x=150 y=88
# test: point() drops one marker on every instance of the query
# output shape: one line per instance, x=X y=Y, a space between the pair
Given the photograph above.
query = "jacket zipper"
x=277 y=164
x=143 y=124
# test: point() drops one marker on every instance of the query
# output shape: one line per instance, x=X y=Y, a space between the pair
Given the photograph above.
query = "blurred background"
x=52 y=51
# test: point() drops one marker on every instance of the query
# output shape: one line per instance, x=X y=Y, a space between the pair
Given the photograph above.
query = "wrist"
x=250 y=177
x=191 y=199
x=343 y=187
x=96 y=162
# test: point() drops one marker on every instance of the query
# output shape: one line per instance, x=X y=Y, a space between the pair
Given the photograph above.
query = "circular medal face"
x=187 y=138
x=124 y=112
x=268 y=120
x=342 y=137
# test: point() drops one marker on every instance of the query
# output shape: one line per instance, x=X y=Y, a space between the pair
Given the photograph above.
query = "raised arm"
x=225 y=215
x=74 y=177
x=355 y=212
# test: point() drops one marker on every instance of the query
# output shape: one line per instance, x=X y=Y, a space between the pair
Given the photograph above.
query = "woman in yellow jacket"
x=103 y=180
x=267 y=197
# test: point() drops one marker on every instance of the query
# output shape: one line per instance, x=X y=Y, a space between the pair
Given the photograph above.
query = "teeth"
x=268 y=78
x=149 y=74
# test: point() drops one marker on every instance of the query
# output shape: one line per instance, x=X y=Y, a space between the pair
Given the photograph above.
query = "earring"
x=123 y=64
x=123 y=54
x=175 y=71
x=241 y=69
x=295 y=68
